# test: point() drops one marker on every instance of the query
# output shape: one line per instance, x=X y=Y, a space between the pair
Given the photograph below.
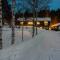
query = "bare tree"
x=33 y=6
x=32 y=3
x=22 y=10
x=0 y=24
x=13 y=22
x=36 y=15
x=23 y=23
x=36 y=6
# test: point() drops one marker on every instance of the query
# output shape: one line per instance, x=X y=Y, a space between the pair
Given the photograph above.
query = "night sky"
x=55 y=4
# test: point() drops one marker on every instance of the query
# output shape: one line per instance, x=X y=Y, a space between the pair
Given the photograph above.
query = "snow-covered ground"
x=44 y=46
x=7 y=37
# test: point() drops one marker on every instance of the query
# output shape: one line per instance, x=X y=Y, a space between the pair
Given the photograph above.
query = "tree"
x=37 y=5
x=26 y=14
x=13 y=21
x=58 y=15
x=0 y=24
x=7 y=14
x=53 y=13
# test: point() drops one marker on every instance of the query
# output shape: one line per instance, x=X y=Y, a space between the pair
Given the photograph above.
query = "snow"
x=44 y=46
x=39 y=19
x=18 y=36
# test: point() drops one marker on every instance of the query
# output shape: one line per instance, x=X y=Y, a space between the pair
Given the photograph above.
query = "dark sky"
x=55 y=4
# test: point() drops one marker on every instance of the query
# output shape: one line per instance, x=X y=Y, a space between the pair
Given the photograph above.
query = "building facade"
x=40 y=22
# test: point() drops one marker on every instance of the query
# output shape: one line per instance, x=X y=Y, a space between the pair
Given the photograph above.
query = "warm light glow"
x=49 y=28
x=38 y=23
x=55 y=24
x=46 y=22
x=21 y=23
x=30 y=23
x=41 y=28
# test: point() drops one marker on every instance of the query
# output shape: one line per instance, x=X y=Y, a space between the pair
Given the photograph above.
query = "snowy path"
x=45 y=46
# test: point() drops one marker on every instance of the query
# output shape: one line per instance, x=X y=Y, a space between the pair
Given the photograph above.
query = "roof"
x=39 y=19
x=57 y=24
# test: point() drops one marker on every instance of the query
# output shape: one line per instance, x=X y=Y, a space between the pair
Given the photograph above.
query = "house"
x=37 y=22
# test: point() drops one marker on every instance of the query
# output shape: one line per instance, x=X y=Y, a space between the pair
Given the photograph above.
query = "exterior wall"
x=38 y=19
x=25 y=23
x=41 y=20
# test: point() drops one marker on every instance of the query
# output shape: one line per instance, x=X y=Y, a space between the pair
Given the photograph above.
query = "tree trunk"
x=36 y=22
x=33 y=25
x=0 y=37
x=13 y=32
x=13 y=22
x=23 y=28
x=0 y=24
x=23 y=25
x=36 y=15
x=33 y=19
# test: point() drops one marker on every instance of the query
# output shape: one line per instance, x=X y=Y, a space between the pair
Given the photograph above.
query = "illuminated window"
x=30 y=23
x=21 y=23
x=49 y=28
x=38 y=23
x=45 y=22
x=41 y=28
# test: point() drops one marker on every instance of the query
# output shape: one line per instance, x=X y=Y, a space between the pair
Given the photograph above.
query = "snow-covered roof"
x=39 y=19
x=57 y=24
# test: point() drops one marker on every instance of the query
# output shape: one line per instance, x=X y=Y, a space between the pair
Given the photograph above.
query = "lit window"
x=21 y=23
x=45 y=22
x=41 y=28
x=30 y=23
x=38 y=23
x=49 y=28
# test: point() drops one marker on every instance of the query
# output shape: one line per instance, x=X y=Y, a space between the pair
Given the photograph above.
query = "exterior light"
x=55 y=24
